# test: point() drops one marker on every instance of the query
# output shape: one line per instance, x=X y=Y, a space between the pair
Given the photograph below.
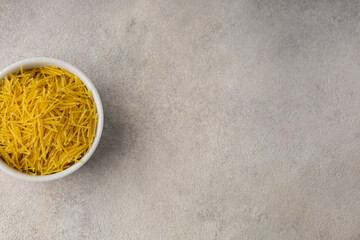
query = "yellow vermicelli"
x=48 y=120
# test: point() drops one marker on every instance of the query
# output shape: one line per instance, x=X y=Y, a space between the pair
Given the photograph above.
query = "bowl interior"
x=41 y=62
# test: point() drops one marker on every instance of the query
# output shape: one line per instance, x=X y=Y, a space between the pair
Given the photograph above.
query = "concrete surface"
x=224 y=120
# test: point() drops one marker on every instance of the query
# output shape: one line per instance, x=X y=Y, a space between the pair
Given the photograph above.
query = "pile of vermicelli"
x=48 y=120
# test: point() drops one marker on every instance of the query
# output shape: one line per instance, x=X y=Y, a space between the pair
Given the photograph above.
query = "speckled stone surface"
x=223 y=120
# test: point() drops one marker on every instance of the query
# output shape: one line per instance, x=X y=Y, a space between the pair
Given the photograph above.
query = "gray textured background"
x=223 y=120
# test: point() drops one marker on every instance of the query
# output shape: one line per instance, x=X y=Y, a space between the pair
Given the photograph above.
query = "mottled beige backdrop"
x=224 y=120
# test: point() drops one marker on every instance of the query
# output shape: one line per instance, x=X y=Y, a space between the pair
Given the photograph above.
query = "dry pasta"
x=48 y=120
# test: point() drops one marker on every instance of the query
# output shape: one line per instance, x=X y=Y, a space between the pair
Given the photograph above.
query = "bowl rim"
x=46 y=61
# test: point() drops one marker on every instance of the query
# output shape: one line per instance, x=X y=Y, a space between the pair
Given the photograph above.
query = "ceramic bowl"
x=41 y=62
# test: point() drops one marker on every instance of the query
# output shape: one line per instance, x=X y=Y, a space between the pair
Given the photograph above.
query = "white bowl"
x=40 y=62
